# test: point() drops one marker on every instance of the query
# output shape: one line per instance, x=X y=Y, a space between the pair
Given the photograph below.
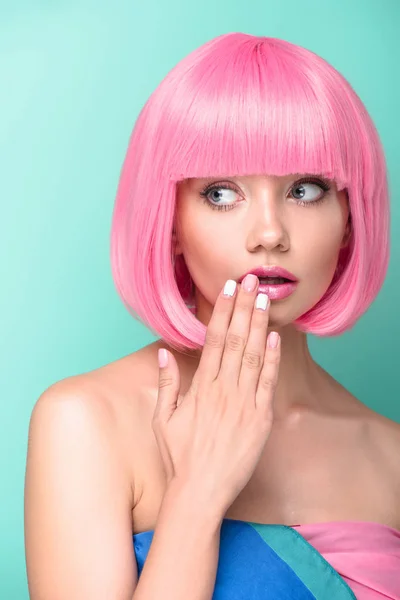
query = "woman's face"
x=228 y=226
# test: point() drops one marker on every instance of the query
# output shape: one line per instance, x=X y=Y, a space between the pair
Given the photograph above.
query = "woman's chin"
x=280 y=316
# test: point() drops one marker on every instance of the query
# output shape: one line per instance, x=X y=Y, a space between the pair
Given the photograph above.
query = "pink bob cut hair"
x=241 y=105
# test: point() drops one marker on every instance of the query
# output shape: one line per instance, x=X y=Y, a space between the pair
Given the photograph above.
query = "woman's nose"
x=268 y=230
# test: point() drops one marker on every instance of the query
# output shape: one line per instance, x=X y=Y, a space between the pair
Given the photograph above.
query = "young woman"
x=222 y=461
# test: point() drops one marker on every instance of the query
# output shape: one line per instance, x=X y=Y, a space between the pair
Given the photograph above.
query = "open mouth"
x=274 y=280
x=277 y=288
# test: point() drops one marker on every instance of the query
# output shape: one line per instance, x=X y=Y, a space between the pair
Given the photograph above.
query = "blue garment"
x=259 y=562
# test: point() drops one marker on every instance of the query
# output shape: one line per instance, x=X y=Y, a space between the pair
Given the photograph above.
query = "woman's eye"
x=302 y=192
x=220 y=196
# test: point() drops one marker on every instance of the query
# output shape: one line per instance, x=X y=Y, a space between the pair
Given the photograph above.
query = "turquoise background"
x=74 y=76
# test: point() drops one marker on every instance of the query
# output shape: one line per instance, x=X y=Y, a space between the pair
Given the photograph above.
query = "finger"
x=210 y=359
x=238 y=330
x=168 y=386
x=254 y=352
x=269 y=375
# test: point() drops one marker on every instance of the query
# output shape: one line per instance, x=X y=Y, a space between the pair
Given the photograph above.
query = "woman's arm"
x=78 y=501
x=183 y=556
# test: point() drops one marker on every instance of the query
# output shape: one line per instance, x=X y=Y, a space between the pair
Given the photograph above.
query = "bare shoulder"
x=376 y=446
x=384 y=437
x=115 y=401
x=84 y=442
x=110 y=391
x=381 y=433
x=385 y=431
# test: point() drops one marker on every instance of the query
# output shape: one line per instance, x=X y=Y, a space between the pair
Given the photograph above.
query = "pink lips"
x=278 y=291
x=274 y=291
x=271 y=272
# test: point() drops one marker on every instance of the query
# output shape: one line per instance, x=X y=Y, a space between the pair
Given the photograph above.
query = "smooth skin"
x=210 y=440
x=215 y=437
x=104 y=460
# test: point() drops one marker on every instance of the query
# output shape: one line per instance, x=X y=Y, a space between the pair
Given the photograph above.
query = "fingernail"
x=249 y=283
x=229 y=287
x=273 y=339
x=162 y=358
x=262 y=301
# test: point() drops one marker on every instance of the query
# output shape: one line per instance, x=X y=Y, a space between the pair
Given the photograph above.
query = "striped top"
x=338 y=560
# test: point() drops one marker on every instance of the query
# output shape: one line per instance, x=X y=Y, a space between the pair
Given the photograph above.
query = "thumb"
x=168 y=384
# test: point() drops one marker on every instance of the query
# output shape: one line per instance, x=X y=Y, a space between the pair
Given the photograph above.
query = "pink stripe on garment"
x=366 y=555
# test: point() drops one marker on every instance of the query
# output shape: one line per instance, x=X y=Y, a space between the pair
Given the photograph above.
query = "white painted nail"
x=262 y=301
x=229 y=287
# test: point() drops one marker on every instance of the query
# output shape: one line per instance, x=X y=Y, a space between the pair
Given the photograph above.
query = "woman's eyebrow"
x=194 y=181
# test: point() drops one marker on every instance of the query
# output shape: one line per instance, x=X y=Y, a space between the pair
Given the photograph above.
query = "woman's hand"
x=211 y=439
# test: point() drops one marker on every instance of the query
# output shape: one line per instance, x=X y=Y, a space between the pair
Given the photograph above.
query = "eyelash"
x=210 y=188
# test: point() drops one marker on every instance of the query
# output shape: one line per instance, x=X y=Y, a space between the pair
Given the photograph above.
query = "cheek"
x=207 y=258
x=327 y=250
x=205 y=243
x=323 y=249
